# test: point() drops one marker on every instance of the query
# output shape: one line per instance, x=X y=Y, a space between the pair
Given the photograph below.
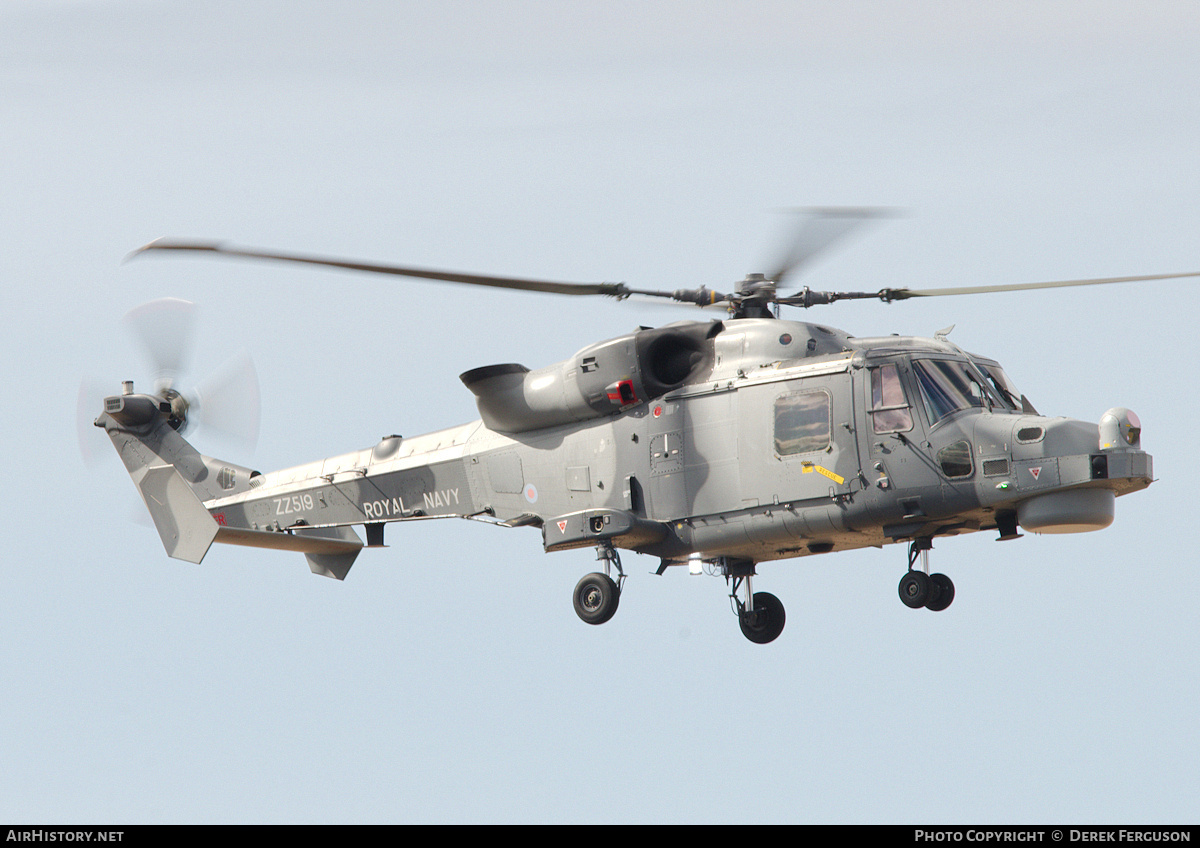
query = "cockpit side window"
x=947 y=387
x=890 y=410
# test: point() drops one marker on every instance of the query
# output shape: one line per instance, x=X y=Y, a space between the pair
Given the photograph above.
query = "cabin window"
x=802 y=422
x=890 y=411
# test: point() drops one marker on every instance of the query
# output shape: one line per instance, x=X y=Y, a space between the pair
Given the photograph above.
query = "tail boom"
x=196 y=500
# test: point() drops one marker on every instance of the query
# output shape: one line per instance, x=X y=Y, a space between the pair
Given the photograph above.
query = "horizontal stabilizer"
x=184 y=525
x=330 y=550
x=333 y=564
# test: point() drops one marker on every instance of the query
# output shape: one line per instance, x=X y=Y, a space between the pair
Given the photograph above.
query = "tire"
x=596 y=598
x=766 y=622
x=914 y=589
x=945 y=592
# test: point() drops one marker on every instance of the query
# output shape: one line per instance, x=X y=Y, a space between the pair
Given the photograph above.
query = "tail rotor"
x=225 y=405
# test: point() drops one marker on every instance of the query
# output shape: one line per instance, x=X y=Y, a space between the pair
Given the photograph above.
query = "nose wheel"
x=919 y=588
x=596 y=598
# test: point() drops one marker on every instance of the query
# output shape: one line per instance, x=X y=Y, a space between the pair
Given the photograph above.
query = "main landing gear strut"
x=920 y=588
x=760 y=615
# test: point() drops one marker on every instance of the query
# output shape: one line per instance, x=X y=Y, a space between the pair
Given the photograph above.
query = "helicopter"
x=714 y=445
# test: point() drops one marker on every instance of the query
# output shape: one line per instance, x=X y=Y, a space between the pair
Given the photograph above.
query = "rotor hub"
x=176 y=406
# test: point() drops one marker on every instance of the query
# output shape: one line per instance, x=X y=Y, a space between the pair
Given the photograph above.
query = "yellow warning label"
x=810 y=467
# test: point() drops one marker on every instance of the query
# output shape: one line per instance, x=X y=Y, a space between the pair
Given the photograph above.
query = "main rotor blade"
x=821 y=228
x=618 y=290
x=904 y=294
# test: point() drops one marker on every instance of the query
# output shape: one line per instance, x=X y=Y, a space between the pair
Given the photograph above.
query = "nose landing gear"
x=596 y=598
x=920 y=588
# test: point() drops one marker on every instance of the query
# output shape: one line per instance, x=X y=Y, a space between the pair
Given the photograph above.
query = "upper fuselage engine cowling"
x=601 y=379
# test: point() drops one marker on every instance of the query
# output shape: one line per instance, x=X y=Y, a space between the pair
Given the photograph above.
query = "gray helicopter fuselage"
x=749 y=439
x=724 y=443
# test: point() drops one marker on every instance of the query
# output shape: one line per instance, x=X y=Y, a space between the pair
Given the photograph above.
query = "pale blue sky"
x=448 y=679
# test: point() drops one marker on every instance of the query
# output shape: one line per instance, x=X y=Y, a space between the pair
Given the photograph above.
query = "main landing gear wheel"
x=760 y=615
x=919 y=588
x=933 y=591
x=765 y=622
x=914 y=589
x=596 y=598
x=941 y=593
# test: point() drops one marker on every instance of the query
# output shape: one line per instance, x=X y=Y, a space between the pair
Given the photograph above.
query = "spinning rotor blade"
x=822 y=227
x=701 y=296
x=90 y=399
x=904 y=294
x=806 y=298
x=164 y=327
x=228 y=403
x=551 y=287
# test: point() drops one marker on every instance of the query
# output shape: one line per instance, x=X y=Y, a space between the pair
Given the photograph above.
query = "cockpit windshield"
x=1003 y=386
x=948 y=386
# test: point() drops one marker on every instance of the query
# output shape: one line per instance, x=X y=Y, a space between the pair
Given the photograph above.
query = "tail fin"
x=174 y=480
x=172 y=477
x=184 y=525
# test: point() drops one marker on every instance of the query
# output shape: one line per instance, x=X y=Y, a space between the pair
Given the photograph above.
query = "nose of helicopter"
x=1065 y=474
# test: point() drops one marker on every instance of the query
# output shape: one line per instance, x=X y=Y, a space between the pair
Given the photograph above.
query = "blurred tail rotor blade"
x=165 y=328
x=93 y=445
x=228 y=403
x=821 y=228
